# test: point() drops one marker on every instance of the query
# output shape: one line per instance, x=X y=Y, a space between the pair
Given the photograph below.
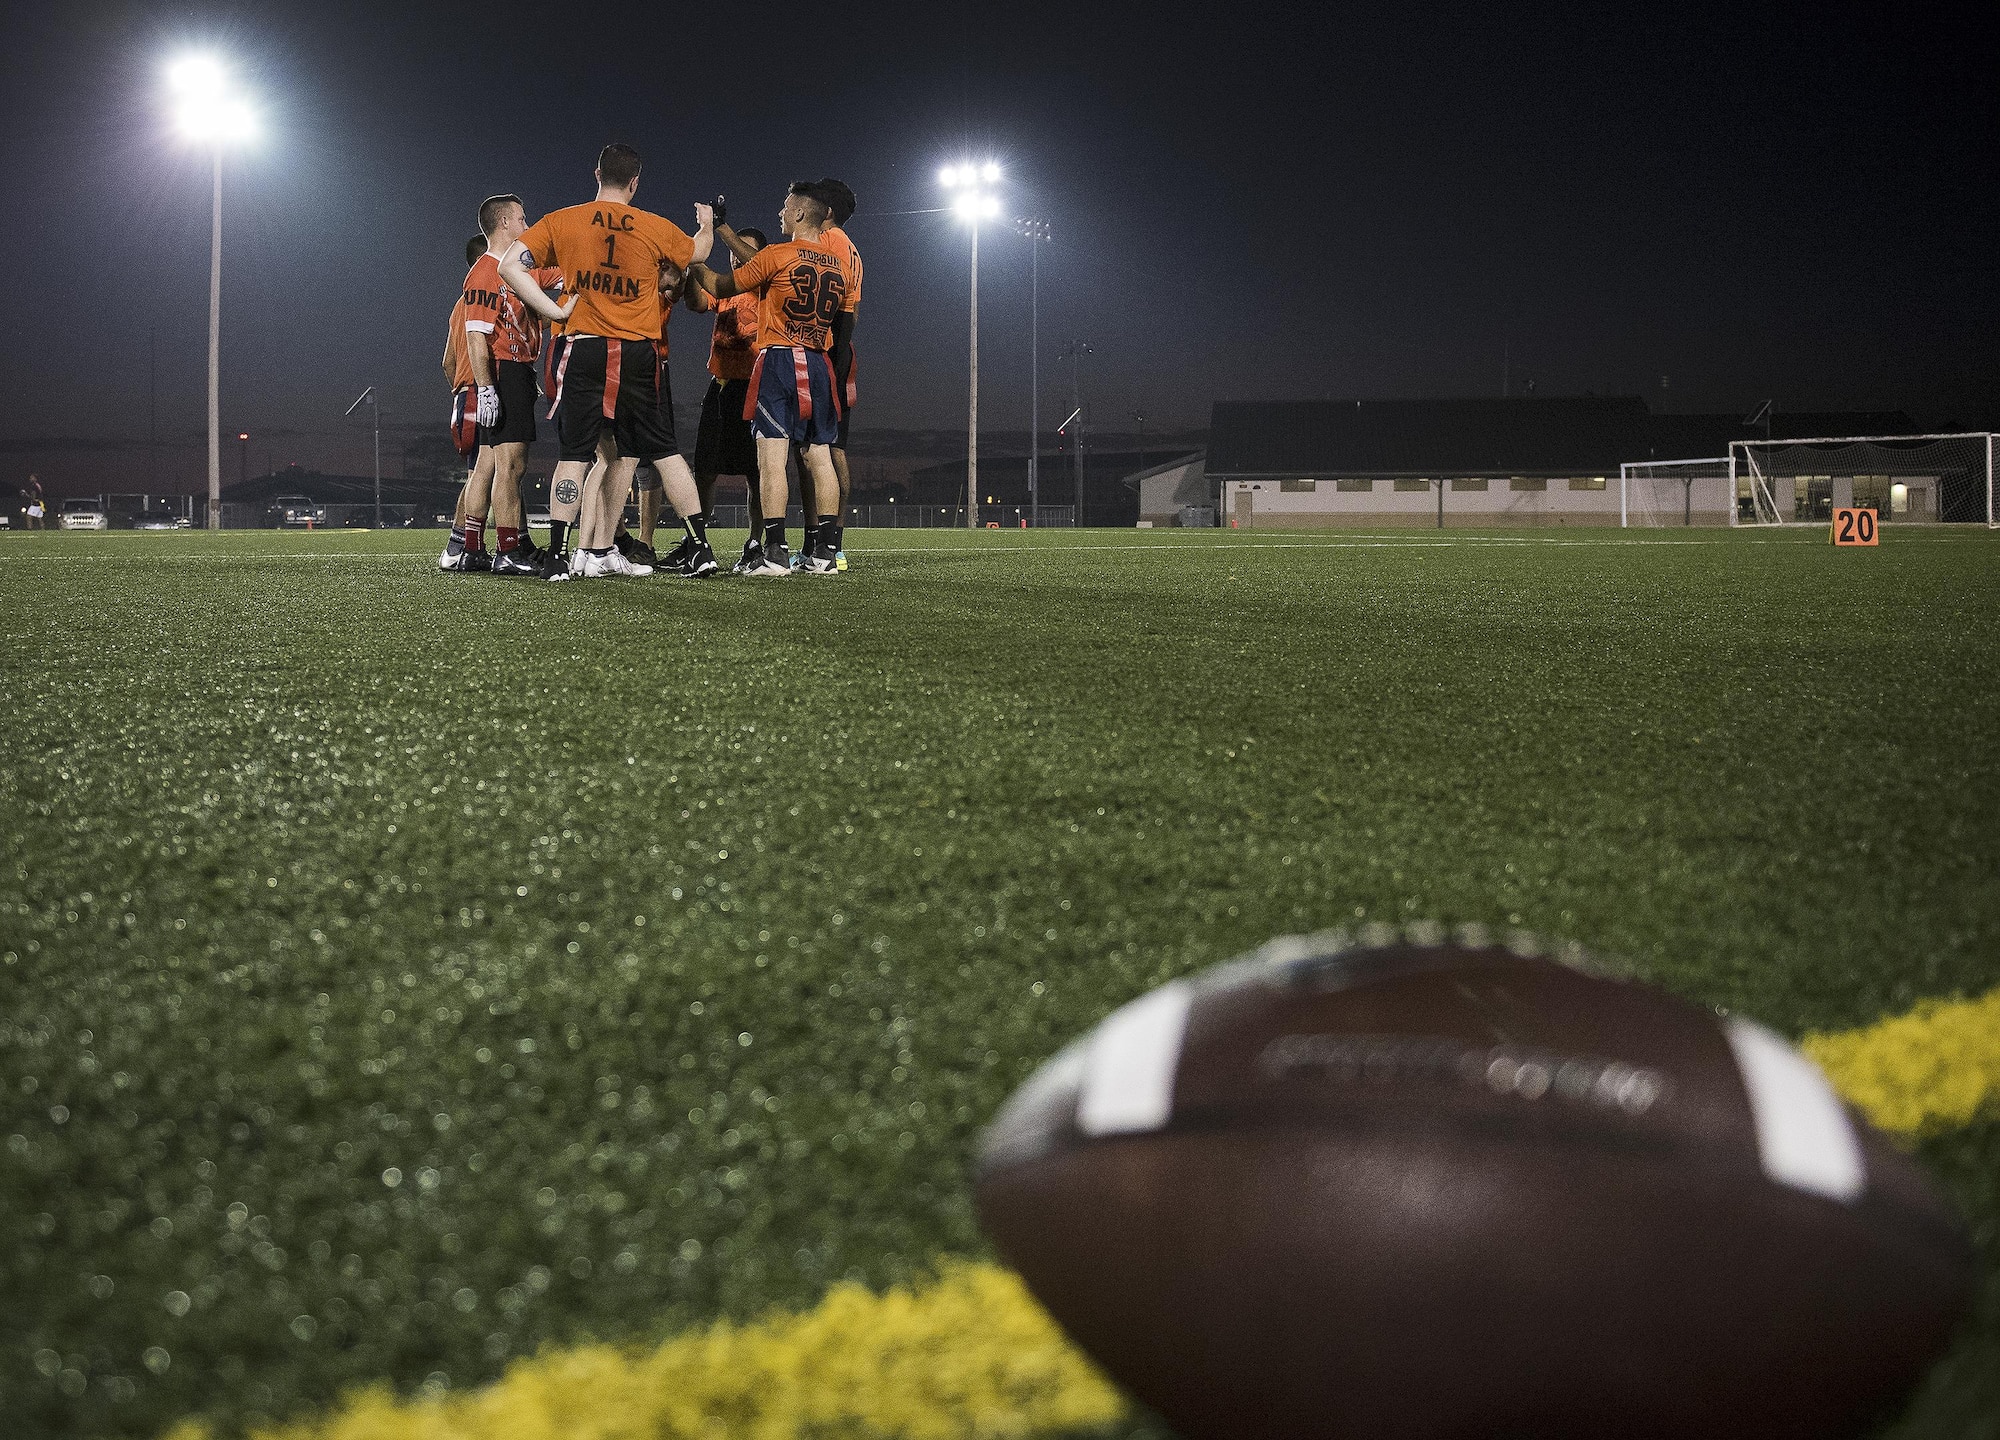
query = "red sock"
x=475 y=532
x=507 y=536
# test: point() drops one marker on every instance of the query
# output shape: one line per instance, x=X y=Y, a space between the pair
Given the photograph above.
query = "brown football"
x=1440 y=1189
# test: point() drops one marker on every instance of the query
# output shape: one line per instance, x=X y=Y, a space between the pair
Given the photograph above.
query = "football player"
x=612 y=399
x=503 y=340
x=723 y=445
x=840 y=200
x=800 y=284
x=456 y=558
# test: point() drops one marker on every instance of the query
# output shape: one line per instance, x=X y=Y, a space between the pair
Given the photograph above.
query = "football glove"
x=489 y=406
x=721 y=210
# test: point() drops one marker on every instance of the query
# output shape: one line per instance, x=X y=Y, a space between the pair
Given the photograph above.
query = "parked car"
x=162 y=522
x=296 y=512
x=84 y=515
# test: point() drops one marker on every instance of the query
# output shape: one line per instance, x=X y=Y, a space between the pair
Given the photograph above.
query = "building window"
x=1528 y=482
x=1299 y=486
x=1413 y=484
x=1593 y=483
x=1468 y=484
x=1354 y=484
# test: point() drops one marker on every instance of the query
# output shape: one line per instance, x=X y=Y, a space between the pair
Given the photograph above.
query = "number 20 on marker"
x=1855 y=525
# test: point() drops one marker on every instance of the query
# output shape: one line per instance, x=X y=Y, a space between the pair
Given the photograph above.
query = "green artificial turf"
x=404 y=971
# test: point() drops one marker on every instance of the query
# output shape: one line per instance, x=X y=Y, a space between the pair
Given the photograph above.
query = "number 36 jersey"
x=610 y=257
x=800 y=286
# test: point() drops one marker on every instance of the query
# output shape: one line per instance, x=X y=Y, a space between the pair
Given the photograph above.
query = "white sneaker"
x=578 y=560
x=616 y=564
x=450 y=562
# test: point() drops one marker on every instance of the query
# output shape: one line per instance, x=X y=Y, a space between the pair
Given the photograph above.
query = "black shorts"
x=635 y=392
x=840 y=383
x=723 y=445
x=519 y=389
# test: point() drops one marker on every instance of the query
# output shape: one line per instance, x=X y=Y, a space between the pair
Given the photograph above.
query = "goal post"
x=1904 y=479
x=1656 y=493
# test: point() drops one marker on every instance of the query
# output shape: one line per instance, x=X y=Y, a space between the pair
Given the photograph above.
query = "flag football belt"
x=614 y=368
x=800 y=376
x=465 y=419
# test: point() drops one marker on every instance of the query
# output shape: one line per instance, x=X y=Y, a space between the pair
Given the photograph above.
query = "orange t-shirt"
x=494 y=310
x=732 y=354
x=611 y=254
x=836 y=239
x=801 y=285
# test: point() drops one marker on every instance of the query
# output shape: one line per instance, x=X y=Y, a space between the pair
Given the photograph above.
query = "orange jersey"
x=454 y=347
x=732 y=354
x=611 y=255
x=492 y=309
x=836 y=239
x=801 y=285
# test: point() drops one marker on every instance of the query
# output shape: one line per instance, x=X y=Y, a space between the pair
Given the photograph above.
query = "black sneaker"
x=700 y=562
x=817 y=563
x=676 y=559
x=521 y=560
x=480 y=561
x=774 y=561
x=554 y=565
x=753 y=556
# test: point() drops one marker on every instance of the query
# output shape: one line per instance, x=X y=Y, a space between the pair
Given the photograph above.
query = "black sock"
x=774 y=534
x=606 y=550
x=557 y=529
x=829 y=537
x=697 y=528
x=840 y=537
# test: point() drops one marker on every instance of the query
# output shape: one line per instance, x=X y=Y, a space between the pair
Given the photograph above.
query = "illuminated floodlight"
x=966 y=207
x=989 y=173
x=989 y=206
x=196 y=75
x=215 y=118
x=948 y=177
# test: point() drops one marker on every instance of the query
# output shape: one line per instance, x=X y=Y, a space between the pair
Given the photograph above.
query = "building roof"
x=1530 y=435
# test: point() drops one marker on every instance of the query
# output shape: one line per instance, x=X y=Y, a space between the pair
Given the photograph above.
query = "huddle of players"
x=606 y=275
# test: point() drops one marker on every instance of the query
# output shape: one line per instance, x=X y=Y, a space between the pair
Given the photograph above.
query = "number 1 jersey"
x=610 y=255
x=801 y=285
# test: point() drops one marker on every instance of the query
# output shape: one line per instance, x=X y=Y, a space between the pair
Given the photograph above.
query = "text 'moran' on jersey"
x=610 y=256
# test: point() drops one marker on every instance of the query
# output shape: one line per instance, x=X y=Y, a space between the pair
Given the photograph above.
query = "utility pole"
x=972 y=412
x=1074 y=353
x=153 y=410
x=1036 y=232
x=215 y=355
x=375 y=409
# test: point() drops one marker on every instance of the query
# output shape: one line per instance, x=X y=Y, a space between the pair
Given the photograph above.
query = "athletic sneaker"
x=453 y=564
x=634 y=549
x=521 y=560
x=753 y=556
x=775 y=560
x=676 y=560
x=554 y=565
x=576 y=561
x=840 y=561
x=819 y=565
x=480 y=561
x=610 y=565
x=701 y=562
x=798 y=559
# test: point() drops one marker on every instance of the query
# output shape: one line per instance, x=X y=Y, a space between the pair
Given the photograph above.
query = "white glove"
x=489 y=406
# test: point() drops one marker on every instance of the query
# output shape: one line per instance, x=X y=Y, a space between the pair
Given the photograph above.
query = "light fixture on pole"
x=375 y=411
x=208 y=112
x=1036 y=232
x=972 y=203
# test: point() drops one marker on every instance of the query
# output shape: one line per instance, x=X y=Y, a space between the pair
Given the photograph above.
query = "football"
x=1425 y=1186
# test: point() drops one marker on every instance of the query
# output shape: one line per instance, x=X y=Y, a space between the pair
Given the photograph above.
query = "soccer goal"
x=1902 y=478
x=1655 y=493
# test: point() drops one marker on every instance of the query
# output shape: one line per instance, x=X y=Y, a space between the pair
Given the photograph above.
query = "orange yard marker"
x=1855 y=525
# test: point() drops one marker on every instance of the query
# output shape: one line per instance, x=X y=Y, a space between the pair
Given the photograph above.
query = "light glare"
x=991 y=173
x=989 y=206
x=948 y=177
x=966 y=207
x=195 y=75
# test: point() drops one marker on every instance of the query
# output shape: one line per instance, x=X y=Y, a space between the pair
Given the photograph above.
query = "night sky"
x=1245 y=202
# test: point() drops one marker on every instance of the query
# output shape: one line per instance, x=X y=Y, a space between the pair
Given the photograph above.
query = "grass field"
x=403 y=973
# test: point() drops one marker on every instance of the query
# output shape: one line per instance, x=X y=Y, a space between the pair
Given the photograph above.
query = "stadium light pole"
x=972 y=204
x=1036 y=232
x=208 y=112
x=1074 y=353
x=375 y=413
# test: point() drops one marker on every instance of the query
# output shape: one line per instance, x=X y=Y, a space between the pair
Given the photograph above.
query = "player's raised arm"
x=720 y=287
x=515 y=269
x=736 y=245
x=704 y=231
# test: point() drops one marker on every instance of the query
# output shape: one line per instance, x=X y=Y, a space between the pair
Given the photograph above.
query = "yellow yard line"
x=1933 y=1069
x=970 y=1354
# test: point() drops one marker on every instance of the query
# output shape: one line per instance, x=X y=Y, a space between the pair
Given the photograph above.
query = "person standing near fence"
x=38 y=503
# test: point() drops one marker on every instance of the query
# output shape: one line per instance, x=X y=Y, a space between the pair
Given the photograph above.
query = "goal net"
x=1903 y=479
x=1654 y=493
